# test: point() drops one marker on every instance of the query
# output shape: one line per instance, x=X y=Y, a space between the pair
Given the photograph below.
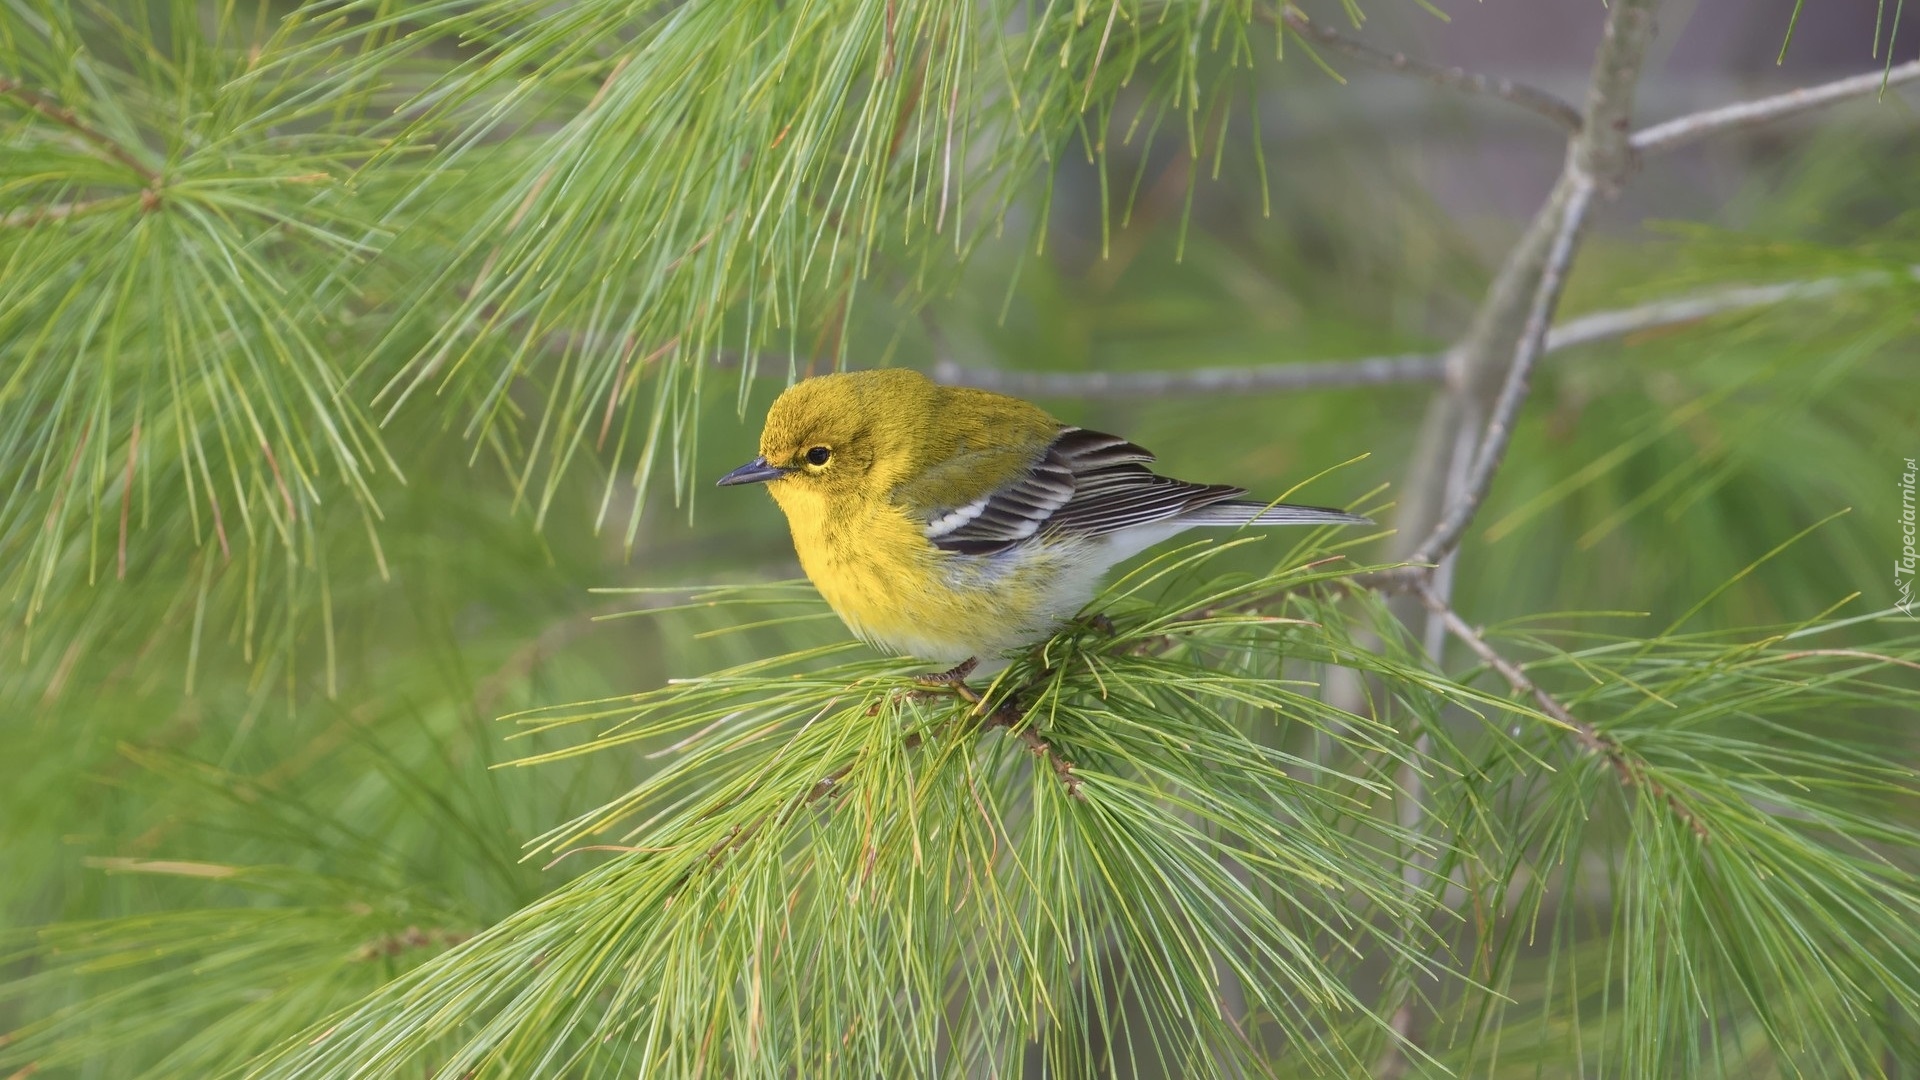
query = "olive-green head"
x=842 y=435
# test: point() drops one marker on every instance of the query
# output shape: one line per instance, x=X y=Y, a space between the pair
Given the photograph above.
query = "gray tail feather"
x=1248 y=512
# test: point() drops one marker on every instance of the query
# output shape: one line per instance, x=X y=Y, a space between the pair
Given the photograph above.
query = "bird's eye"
x=818 y=456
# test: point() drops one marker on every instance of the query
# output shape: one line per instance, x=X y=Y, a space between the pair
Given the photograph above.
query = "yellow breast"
x=875 y=567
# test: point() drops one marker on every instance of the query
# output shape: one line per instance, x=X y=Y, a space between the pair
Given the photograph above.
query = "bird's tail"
x=1232 y=512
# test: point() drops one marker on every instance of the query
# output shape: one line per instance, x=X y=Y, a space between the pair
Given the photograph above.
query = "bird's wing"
x=1084 y=483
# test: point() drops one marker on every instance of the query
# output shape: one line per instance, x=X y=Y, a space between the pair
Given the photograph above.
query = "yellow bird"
x=954 y=524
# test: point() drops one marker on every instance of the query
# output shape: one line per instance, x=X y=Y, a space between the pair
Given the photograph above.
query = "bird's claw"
x=954 y=678
x=952 y=681
x=957 y=674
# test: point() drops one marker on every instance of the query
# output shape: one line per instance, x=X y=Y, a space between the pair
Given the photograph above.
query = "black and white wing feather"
x=1088 y=483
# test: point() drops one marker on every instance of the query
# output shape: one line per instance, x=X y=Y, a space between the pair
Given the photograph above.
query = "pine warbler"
x=954 y=524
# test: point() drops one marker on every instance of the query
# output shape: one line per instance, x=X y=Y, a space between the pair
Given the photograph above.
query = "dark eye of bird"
x=818 y=455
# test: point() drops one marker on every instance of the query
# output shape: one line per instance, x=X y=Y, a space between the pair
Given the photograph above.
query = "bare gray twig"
x=1531 y=98
x=1316 y=375
x=1387 y=370
x=1691 y=128
x=1533 y=340
x=1659 y=314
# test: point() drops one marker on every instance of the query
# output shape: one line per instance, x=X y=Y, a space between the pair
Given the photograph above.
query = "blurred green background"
x=288 y=691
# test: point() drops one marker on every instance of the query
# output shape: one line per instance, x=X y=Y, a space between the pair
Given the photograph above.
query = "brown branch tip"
x=413 y=937
x=67 y=118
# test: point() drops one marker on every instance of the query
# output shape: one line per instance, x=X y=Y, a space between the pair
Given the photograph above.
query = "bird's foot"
x=1100 y=624
x=955 y=675
x=953 y=680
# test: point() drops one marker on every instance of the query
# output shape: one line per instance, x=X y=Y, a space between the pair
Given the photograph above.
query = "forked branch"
x=1492 y=451
x=1600 y=158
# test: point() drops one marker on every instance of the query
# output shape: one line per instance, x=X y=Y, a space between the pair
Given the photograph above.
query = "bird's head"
x=840 y=437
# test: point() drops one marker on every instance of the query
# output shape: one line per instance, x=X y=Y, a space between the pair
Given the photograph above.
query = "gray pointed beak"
x=756 y=471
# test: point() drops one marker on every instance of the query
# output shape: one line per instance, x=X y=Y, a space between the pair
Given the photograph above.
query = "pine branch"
x=963 y=858
x=1591 y=739
x=34 y=215
x=67 y=118
x=1003 y=713
x=1696 y=126
x=1007 y=713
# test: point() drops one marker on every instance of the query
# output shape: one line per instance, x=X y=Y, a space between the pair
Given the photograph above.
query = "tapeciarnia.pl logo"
x=1903 y=566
